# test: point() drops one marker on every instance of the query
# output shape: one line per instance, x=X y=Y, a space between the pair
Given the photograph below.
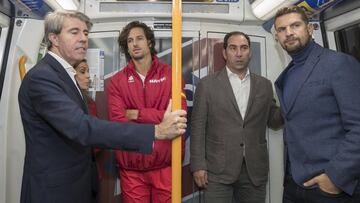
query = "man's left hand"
x=324 y=183
x=132 y=114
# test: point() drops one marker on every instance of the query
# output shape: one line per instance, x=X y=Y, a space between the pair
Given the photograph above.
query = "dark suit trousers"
x=241 y=191
x=296 y=194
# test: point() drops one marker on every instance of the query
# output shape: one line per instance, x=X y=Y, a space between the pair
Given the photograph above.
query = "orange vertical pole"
x=176 y=98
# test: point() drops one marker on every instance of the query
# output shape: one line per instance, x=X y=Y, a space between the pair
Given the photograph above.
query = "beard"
x=137 y=57
x=294 y=48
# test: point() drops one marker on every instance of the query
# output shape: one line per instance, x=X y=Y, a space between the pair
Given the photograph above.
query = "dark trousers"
x=241 y=191
x=296 y=194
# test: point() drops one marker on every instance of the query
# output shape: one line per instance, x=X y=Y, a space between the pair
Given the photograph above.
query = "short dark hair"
x=228 y=35
x=149 y=34
x=292 y=9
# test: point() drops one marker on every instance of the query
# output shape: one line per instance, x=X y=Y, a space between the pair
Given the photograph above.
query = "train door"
x=114 y=61
x=190 y=63
x=12 y=143
x=258 y=66
x=4 y=28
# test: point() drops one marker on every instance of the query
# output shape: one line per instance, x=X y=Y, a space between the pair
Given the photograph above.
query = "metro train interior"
x=204 y=24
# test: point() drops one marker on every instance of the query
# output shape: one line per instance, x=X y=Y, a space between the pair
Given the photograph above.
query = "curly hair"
x=149 y=34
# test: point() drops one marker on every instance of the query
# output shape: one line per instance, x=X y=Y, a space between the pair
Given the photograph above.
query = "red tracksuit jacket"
x=127 y=91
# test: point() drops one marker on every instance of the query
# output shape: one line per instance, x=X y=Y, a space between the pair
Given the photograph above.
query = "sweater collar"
x=302 y=55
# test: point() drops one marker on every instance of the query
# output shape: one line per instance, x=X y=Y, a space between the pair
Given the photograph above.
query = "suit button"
x=242 y=144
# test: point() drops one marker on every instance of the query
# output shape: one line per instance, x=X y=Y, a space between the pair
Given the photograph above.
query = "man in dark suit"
x=58 y=131
x=228 y=148
x=319 y=93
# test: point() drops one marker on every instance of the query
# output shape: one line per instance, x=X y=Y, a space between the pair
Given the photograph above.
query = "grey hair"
x=54 y=22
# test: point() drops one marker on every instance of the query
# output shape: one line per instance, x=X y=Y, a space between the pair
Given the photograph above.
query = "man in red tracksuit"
x=140 y=93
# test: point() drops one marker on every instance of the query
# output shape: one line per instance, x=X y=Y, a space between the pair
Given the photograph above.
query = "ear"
x=276 y=37
x=54 y=39
x=224 y=54
x=310 y=28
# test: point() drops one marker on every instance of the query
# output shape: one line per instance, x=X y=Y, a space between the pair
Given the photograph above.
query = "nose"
x=289 y=31
x=134 y=42
x=83 y=37
x=238 y=52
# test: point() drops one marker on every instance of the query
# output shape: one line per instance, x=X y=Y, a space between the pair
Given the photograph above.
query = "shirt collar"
x=231 y=74
x=69 y=69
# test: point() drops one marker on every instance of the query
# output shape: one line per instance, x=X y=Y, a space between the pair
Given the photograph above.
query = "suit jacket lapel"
x=225 y=82
x=253 y=90
x=67 y=80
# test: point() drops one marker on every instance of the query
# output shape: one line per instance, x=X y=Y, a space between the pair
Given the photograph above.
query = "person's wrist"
x=157 y=131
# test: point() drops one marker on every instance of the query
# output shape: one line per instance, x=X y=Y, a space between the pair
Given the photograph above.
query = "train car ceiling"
x=35 y=9
x=63 y=4
x=266 y=9
x=234 y=11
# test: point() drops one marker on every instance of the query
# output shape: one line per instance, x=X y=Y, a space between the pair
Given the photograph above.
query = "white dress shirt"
x=241 y=89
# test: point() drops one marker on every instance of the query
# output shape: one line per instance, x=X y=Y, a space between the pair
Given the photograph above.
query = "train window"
x=348 y=41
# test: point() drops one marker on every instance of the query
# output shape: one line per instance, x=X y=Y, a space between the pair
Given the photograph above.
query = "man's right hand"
x=201 y=178
x=172 y=125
